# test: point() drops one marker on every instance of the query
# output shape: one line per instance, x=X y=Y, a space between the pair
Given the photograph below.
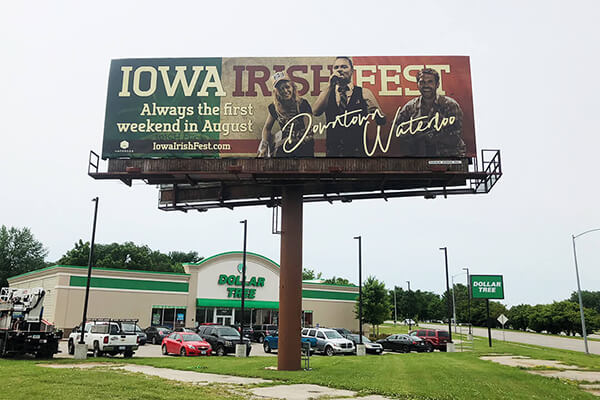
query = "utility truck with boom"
x=22 y=329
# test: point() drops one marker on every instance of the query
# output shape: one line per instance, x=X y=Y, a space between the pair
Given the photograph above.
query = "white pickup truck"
x=106 y=336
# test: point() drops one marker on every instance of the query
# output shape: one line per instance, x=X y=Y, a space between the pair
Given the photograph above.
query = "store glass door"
x=224 y=316
x=224 y=320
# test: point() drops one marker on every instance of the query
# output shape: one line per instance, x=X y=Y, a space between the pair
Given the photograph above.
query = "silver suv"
x=329 y=341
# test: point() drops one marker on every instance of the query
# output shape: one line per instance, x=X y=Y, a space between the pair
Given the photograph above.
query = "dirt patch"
x=586 y=376
x=593 y=389
x=563 y=371
x=526 y=362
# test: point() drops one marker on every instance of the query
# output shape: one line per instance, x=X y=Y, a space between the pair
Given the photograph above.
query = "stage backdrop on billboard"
x=392 y=106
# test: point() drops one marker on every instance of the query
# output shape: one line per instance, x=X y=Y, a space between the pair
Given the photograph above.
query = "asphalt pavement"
x=557 y=342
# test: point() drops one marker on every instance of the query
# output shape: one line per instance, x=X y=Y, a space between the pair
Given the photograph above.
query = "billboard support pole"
x=290 y=280
x=489 y=325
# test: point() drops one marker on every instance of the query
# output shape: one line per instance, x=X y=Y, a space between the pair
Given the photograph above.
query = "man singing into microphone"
x=342 y=97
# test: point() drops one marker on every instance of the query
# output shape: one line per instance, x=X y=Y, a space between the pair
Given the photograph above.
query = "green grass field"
x=404 y=376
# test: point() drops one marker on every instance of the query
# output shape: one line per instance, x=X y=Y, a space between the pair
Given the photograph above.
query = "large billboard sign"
x=392 y=106
x=487 y=287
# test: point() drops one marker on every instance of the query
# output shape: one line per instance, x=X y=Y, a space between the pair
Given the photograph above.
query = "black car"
x=259 y=332
x=182 y=329
x=248 y=331
x=131 y=327
x=223 y=339
x=403 y=343
x=155 y=334
x=343 y=331
x=370 y=347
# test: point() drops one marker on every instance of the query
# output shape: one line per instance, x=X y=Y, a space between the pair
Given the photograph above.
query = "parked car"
x=370 y=347
x=185 y=344
x=434 y=338
x=130 y=327
x=260 y=331
x=223 y=339
x=181 y=329
x=329 y=341
x=343 y=331
x=271 y=342
x=247 y=330
x=105 y=336
x=403 y=343
x=156 y=334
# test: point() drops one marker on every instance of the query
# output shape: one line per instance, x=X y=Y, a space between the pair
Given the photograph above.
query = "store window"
x=171 y=317
x=204 y=315
x=307 y=319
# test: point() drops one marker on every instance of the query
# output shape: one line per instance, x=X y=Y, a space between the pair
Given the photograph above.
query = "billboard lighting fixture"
x=429 y=196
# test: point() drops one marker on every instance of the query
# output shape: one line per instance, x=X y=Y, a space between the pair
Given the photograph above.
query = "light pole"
x=89 y=275
x=395 y=307
x=579 y=289
x=448 y=291
x=469 y=290
x=245 y=222
x=360 y=330
x=408 y=306
x=454 y=299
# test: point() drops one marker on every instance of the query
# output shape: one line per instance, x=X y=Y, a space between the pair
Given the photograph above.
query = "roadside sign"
x=487 y=287
x=502 y=319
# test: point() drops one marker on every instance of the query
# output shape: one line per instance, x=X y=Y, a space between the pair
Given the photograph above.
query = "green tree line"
x=21 y=252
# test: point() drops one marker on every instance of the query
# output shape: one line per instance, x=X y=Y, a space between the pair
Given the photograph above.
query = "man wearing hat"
x=343 y=98
x=292 y=140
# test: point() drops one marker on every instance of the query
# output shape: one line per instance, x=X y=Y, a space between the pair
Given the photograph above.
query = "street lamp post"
x=454 y=300
x=448 y=291
x=469 y=290
x=579 y=289
x=245 y=222
x=408 y=306
x=89 y=275
x=395 y=307
x=360 y=330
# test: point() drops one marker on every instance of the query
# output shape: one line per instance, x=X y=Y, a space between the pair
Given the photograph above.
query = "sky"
x=535 y=92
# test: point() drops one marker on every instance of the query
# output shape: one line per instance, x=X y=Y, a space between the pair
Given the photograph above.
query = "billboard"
x=390 y=106
x=487 y=287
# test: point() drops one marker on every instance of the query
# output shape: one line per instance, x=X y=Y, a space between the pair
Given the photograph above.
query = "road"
x=575 y=344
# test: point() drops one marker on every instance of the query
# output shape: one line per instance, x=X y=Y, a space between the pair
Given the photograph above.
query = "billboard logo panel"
x=392 y=106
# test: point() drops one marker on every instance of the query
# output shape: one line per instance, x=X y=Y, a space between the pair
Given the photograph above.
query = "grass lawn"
x=404 y=376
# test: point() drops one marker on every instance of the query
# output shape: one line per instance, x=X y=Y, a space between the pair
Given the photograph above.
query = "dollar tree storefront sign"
x=487 y=287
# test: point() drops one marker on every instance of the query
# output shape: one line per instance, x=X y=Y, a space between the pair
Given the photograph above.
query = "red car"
x=185 y=344
x=434 y=339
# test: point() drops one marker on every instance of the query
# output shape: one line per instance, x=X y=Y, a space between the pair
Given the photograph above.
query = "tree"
x=588 y=298
x=128 y=256
x=518 y=316
x=416 y=304
x=375 y=303
x=337 y=281
x=309 y=274
x=20 y=252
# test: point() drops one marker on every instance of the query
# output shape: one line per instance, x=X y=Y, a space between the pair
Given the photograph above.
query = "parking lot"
x=152 y=350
